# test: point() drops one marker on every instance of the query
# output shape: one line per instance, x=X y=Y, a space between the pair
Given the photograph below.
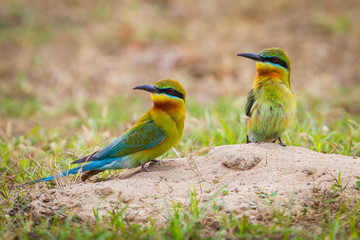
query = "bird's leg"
x=144 y=168
x=247 y=139
x=281 y=142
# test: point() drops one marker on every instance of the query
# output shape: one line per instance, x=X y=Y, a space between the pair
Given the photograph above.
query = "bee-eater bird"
x=271 y=104
x=154 y=134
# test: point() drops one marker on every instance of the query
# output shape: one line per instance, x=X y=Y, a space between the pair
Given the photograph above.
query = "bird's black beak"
x=149 y=88
x=252 y=56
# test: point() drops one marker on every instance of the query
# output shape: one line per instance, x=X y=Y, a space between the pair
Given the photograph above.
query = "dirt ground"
x=249 y=174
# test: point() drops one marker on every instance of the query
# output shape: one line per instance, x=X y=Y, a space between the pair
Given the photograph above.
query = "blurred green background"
x=65 y=62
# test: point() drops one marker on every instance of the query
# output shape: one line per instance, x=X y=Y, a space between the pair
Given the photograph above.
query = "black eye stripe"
x=278 y=61
x=174 y=93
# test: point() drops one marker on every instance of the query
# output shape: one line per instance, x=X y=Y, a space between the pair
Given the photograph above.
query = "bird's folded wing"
x=140 y=137
x=250 y=102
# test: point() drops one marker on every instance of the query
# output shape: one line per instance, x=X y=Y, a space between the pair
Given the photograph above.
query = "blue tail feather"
x=85 y=167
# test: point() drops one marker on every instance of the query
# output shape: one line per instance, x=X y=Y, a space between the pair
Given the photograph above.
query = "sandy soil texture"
x=250 y=173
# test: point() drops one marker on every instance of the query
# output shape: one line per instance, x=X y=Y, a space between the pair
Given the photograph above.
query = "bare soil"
x=250 y=173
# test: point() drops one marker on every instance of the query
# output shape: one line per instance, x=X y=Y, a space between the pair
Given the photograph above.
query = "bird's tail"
x=83 y=168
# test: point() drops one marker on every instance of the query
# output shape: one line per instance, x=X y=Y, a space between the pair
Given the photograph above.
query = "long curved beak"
x=252 y=56
x=148 y=88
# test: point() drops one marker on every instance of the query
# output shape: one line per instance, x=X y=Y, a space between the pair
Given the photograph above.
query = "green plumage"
x=156 y=132
x=271 y=104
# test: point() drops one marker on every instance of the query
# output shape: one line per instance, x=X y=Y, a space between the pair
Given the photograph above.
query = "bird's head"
x=165 y=93
x=271 y=61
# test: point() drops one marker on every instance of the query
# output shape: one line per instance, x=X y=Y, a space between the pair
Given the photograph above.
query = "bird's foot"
x=248 y=140
x=144 y=168
x=281 y=142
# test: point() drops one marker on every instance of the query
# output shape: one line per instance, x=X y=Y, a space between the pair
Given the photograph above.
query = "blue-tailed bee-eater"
x=271 y=104
x=154 y=134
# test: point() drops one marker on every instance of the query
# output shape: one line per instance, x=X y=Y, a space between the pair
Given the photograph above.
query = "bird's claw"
x=144 y=168
x=154 y=161
x=281 y=142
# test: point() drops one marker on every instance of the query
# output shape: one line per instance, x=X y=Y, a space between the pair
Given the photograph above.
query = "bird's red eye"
x=170 y=90
x=274 y=59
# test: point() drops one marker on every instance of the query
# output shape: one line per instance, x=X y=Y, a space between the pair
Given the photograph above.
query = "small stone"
x=323 y=173
x=103 y=192
x=259 y=217
x=308 y=202
x=244 y=207
x=130 y=216
x=308 y=170
x=253 y=205
x=126 y=199
x=212 y=223
x=268 y=216
x=206 y=197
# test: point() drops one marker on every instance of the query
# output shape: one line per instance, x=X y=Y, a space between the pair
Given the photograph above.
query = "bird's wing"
x=145 y=135
x=250 y=102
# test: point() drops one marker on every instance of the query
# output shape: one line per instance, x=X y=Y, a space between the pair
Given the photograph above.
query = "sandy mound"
x=251 y=171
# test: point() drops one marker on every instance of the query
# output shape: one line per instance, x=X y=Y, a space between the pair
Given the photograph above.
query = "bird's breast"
x=172 y=122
